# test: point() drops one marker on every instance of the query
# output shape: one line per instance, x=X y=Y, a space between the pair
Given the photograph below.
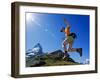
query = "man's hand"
x=66 y=22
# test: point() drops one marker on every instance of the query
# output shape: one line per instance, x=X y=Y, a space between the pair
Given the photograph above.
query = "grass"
x=51 y=62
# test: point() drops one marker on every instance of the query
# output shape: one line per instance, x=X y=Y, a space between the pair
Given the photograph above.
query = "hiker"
x=69 y=40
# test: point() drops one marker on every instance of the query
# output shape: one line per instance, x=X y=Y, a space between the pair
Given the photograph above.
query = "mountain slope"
x=51 y=59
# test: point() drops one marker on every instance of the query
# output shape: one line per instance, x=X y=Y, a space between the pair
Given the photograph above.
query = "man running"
x=69 y=40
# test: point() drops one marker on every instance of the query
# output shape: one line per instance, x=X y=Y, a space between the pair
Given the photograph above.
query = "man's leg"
x=64 y=44
x=65 y=49
x=70 y=49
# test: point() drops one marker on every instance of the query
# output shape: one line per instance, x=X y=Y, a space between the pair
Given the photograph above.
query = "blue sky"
x=44 y=28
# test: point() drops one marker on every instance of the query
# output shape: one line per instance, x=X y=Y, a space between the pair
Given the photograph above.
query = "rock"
x=56 y=54
x=51 y=59
x=70 y=60
x=38 y=63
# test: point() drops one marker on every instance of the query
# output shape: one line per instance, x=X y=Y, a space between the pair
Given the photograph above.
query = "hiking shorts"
x=70 y=39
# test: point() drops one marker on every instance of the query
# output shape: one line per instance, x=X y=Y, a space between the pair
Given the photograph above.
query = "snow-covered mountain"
x=36 y=50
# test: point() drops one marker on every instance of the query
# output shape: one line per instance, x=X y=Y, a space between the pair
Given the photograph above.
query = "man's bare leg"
x=65 y=49
x=64 y=45
x=70 y=49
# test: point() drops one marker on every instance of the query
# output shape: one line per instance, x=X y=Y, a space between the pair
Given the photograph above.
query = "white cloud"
x=86 y=61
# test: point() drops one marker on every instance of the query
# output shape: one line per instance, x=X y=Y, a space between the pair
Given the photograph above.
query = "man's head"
x=68 y=27
x=62 y=30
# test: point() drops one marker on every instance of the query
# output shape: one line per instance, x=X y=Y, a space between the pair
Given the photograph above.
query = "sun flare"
x=30 y=17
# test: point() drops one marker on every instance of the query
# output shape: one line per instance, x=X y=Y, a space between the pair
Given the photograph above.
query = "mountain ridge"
x=54 y=58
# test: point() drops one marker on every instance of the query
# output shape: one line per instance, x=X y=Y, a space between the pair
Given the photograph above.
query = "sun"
x=30 y=17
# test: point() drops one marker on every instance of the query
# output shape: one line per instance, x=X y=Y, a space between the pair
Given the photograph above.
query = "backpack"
x=73 y=35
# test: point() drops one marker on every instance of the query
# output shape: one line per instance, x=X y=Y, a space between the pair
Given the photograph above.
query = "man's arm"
x=66 y=22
